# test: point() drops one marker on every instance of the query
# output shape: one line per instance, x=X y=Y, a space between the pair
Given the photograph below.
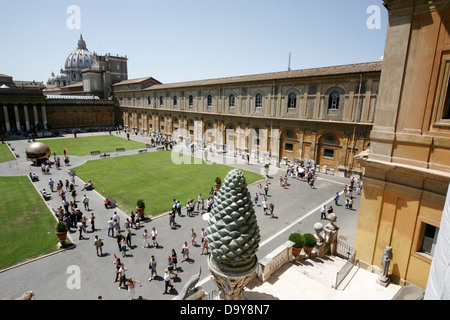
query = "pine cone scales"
x=233 y=232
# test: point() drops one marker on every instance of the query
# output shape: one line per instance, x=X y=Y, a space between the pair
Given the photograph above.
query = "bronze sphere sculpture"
x=37 y=151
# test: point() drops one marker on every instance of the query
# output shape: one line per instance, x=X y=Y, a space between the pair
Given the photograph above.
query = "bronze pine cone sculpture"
x=233 y=233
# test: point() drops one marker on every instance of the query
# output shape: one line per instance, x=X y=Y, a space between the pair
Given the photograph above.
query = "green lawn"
x=28 y=228
x=154 y=178
x=5 y=153
x=84 y=145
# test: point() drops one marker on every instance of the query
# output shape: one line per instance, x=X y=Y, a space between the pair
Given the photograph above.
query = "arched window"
x=333 y=100
x=231 y=100
x=209 y=100
x=175 y=100
x=191 y=100
x=258 y=100
x=292 y=101
x=161 y=101
x=149 y=101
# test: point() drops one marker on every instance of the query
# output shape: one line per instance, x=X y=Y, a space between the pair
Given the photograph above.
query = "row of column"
x=27 y=119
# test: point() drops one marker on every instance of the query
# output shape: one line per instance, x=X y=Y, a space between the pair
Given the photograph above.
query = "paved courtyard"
x=80 y=274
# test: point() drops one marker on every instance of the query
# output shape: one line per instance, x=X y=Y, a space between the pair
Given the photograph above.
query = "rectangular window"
x=429 y=238
x=442 y=113
x=288 y=147
x=328 y=153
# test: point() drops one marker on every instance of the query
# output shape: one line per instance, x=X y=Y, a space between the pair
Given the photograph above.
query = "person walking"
x=116 y=226
x=193 y=236
x=116 y=217
x=174 y=259
x=323 y=212
x=336 y=198
x=185 y=251
x=152 y=266
x=98 y=245
x=311 y=182
x=330 y=210
x=119 y=239
x=123 y=246
x=256 y=199
x=132 y=216
x=86 y=202
x=199 y=201
x=265 y=207
x=145 y=237
x=170 y=267
x=80 y=229
x=154 y=235
x=92 y=220
x=117 y=264
x=122 y=275
x=205 y=247
x=51 y=183
x=167 y=281
x=74 y=195
x=203 y=235
x=111 y=227
x=132 y=287
x=271 y=208
x=128 y=238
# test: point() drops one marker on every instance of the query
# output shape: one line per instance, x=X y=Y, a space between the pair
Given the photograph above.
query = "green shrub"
x=298 y=239
x=310 y=240
x=140 y=203
x=218 y=180
x=61 y=227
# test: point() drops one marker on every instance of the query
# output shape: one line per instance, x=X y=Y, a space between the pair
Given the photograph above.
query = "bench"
x=105 y=155
x=160 y=148
x=142 y=150
x=95 y=153
x=120 y=149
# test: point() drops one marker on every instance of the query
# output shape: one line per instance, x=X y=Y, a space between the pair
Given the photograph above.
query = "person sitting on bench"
x=47 y=196
x=107 y=203
x=87 y=186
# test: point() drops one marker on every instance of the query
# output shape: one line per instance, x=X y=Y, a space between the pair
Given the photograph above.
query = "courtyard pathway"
x=80 y=274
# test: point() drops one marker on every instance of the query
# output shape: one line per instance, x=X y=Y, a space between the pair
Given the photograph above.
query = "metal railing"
x=344 y=251
x=348 y=253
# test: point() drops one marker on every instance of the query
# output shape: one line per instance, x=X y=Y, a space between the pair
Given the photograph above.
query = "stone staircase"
x=322 y=270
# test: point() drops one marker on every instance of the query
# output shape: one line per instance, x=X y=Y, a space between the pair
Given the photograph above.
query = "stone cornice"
x=408 y=7
x=407 y=169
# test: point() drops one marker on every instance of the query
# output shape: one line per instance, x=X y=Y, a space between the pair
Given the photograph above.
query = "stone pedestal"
x=383 y=281
x=231 y=284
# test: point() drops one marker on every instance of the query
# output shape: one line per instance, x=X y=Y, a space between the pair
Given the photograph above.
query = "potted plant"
x=61 y=232
x=299 y=242
x=218 y=182
x=140 y=206
x=310 y=242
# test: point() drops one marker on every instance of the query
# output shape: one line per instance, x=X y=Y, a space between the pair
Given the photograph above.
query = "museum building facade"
x=320 y=114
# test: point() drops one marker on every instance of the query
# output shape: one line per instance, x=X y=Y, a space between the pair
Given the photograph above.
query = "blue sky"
x=180 y=40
